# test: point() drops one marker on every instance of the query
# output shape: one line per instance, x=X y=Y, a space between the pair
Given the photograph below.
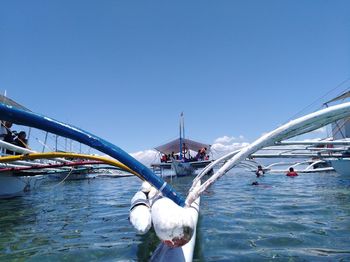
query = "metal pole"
x=180 y=138
x=47 y=133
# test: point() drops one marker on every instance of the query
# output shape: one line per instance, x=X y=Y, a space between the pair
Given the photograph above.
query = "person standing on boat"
x=3 y=130
x=291 y=172
x=9 y=136
x=164 y=158
x=21 y=140
x=184 y=152
x=198 y=156
x=203 y=153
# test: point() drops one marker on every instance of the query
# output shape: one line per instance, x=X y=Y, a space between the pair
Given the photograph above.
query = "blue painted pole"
x=26 y=118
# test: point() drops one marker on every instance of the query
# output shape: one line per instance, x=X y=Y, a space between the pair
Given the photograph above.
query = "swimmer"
x=260 y=171
x=291 y=172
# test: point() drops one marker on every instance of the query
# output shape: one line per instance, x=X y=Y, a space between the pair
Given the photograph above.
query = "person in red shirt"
x=291 y=172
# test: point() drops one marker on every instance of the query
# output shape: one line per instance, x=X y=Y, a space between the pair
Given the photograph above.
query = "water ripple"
x=282 y=219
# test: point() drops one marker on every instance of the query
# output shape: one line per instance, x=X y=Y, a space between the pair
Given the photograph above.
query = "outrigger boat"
x=168 y=201
x=174 y=218
x=289 y=130
x=183 y=156
x=22 y=173
x=308 y=156
x=183 y=163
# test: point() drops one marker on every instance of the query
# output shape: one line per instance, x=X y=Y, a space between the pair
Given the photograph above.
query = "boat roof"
x=8 y=101
x=174 y=146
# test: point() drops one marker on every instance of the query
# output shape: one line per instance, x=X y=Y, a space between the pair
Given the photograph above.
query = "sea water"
x=305 y=218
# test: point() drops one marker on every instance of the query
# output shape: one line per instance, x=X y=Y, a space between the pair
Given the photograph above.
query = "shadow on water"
x=149 y=243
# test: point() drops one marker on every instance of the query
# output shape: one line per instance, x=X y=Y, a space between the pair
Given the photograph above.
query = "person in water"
x=260 y=171
x=291 y=172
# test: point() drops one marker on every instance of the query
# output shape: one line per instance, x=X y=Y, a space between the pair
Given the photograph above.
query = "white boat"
x=183 y=155
x=341 y=166
x=289 y=130
x=13 y=186
x=182 y=168
x=329 y=154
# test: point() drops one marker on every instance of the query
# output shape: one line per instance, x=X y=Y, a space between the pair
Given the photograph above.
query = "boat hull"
x=183 y=168
x=72 y=175
x=13 y=186
x=341 y=166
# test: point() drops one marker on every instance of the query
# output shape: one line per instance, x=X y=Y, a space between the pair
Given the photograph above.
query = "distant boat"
x=18 y=176
x=183 y=155
x=312 y=156
x=13 y=185
x=341 y=132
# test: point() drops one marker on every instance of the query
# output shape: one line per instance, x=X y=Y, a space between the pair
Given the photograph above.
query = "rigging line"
x=318 y=99
x=60 y=143
x=339 y=127
x=43 y=144
x=64 y=179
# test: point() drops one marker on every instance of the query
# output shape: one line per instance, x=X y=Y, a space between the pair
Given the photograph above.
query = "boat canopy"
x=174 y=146
x=8 y=101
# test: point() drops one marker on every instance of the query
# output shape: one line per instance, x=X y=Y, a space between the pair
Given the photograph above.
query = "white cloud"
x=224 y=139
x=322 y=130
x=228 y=139
x=147 y=157
x=226 y=144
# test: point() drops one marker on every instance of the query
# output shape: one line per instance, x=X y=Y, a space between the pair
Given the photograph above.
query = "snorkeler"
x=260 y=171
x=291 y=172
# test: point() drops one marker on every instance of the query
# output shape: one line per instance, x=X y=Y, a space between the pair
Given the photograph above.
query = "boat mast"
x=183 y=135
x=181 y=116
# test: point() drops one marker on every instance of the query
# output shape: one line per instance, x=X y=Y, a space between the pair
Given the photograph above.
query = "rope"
x=64 y=179
x=339 y=127
x=43 y=144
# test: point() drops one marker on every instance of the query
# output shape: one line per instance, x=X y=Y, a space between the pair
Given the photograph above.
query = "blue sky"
x=125 y=70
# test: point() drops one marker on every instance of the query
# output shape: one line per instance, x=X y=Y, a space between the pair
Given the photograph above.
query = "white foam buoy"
x=174 y=225
x=140 y=213
x=145 y=187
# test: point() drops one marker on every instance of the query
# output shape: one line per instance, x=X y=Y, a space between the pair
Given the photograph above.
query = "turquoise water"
x=306 y=218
